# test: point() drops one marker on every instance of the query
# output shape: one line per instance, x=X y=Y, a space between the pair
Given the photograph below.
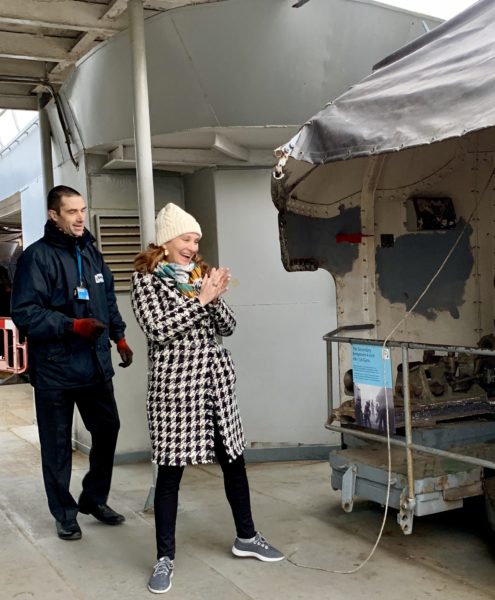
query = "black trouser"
x=54 y=412
x=167 y=496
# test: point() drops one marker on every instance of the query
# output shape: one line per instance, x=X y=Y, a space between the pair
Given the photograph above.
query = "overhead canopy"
x=40 y=41
x=438 y=87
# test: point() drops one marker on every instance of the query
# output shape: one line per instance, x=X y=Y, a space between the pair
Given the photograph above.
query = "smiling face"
x=70 y=217
x=182 y=249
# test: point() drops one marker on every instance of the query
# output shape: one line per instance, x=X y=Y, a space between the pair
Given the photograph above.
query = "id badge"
x=81 y=293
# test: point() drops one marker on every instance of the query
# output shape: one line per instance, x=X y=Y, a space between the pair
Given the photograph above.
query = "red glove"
x=90 y=329
x=125 y=353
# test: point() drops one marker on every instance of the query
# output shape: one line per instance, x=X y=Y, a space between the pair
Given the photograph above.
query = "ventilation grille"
x=119 y=240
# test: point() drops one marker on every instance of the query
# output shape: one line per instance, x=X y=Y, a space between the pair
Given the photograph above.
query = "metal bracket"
x=348 y=488
x=406 y=514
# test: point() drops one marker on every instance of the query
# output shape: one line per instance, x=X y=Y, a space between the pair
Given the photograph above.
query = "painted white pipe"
x=142 y=141
x=45 y=146
x=142 y=129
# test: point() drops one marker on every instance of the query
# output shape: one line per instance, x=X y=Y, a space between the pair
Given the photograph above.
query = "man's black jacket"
x=44 y=307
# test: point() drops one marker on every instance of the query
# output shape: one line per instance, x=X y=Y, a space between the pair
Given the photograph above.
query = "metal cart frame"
x=407 y=500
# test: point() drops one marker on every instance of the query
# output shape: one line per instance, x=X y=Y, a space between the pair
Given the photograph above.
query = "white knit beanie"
x=172 y=221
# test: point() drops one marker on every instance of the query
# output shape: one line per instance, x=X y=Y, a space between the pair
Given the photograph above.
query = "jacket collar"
x=56 y=237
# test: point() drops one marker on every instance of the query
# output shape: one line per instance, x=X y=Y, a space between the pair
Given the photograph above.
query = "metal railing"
x=333 y=337
x=13 y=352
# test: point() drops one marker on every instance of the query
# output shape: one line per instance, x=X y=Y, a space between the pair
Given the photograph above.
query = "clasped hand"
x=214 y=285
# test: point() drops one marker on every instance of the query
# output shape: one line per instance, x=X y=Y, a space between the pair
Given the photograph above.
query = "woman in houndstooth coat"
x=191 y=384
x=191 y=405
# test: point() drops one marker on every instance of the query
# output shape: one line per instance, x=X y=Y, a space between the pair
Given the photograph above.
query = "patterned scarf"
x=187 y=278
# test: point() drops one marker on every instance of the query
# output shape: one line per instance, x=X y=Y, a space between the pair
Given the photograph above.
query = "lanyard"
x=79 y=266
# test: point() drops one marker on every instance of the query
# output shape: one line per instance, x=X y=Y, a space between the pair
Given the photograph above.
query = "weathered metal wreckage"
x=391 y=188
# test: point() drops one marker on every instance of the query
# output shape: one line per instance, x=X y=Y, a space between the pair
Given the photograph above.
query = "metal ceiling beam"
x=165 y=5
x=10 y=206
x=116 y=8
x=27 y=68
x=21 y=79
x=32 y=47
x=85 y=43
x=61 y=14
x=59 y=73
x=18 y=102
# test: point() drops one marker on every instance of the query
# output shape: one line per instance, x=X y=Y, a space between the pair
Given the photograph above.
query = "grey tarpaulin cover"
x=440 y=86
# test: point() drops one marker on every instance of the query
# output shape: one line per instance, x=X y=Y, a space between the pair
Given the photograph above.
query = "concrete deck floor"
x=448 y=556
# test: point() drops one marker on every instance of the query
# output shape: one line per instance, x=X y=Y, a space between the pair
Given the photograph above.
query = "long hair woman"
x=191 y=405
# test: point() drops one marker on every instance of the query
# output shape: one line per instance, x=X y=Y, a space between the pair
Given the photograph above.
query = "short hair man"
x=63 y=300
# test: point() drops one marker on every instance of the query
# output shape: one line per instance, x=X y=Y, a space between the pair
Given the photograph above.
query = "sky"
x=444 y=9
x=12 y=122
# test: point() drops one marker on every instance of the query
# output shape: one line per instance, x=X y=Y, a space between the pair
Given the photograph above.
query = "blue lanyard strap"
x=79 y=265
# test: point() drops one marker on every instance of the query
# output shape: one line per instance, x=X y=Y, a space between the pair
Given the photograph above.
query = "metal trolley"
x=434 y=466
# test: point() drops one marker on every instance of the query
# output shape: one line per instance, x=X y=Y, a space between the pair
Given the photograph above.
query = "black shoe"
x=103 y=513
x=68 y=530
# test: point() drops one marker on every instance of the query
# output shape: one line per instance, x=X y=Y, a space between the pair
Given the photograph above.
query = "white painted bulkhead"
x=235 y=64
x=281 y=318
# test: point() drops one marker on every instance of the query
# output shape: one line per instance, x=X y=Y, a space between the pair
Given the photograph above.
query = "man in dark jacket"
x=64 y=302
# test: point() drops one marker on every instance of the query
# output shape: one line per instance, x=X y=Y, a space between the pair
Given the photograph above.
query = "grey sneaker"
x=258 y=548
x=161 y=578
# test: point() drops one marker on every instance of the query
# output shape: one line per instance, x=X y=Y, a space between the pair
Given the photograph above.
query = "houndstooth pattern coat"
x=192 y=379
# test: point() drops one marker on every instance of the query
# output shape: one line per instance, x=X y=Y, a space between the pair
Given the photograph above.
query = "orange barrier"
x=13 y=352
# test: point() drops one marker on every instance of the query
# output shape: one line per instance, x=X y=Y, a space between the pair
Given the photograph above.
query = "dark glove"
x=125 y=353
x=90 y=329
